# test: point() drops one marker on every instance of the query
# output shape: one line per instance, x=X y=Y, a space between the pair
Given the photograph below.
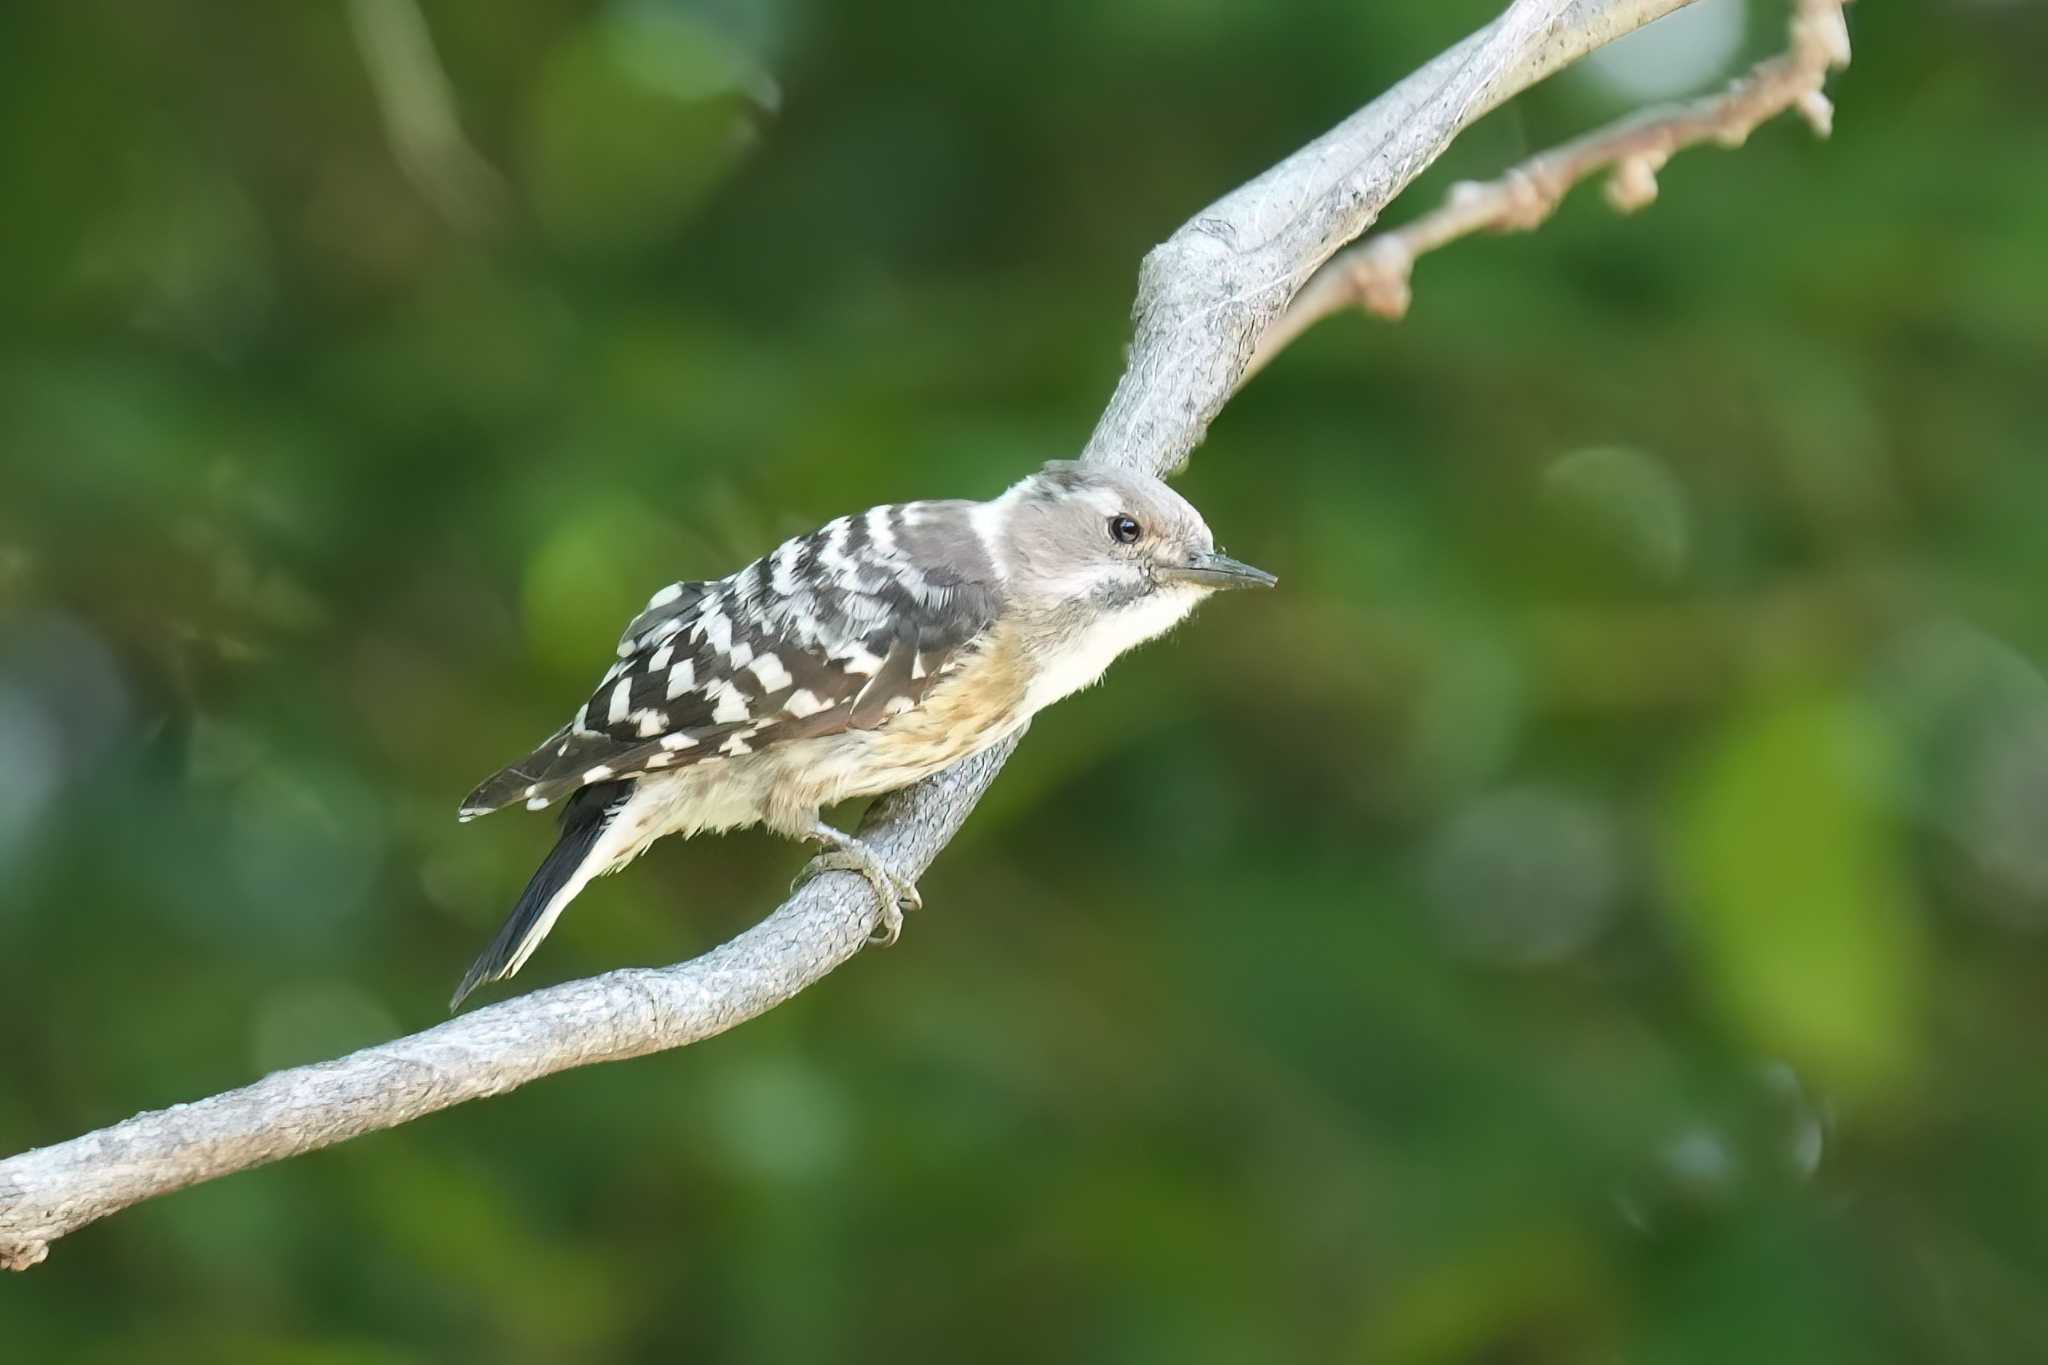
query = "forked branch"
x=1376 y=275
x=1206 y=297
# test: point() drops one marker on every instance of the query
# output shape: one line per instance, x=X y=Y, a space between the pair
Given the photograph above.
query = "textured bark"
x=1205 y=297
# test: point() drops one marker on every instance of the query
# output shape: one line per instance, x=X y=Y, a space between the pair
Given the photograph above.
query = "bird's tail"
x=562 y=874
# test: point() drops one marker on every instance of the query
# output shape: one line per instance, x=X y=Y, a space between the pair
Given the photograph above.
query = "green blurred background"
x=1595 y=912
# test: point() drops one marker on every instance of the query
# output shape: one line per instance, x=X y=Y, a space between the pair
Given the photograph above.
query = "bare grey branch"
x=1205 y=297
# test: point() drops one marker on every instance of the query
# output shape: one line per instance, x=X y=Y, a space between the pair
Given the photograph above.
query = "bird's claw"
x=896 y=892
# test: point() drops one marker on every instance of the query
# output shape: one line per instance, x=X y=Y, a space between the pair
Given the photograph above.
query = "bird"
x=848 y=662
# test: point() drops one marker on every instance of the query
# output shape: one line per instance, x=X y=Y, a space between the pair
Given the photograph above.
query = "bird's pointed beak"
x=1212 y=570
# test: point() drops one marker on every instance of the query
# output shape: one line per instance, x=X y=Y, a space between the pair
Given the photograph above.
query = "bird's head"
x=1114 y=541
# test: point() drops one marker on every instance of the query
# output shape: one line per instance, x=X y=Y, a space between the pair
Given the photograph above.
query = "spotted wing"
x=840 y=629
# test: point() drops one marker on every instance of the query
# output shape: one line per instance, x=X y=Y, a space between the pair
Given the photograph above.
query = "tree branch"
x=1205 y=298
x=417 y=102
x=58 y=1189
x=1375 y=275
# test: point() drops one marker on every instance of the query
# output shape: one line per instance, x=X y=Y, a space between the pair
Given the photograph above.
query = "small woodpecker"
x=849 y=662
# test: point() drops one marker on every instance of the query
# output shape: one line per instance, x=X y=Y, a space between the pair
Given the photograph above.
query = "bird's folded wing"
x=827 y=633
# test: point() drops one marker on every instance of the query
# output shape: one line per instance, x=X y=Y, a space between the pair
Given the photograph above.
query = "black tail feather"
x=584 y=818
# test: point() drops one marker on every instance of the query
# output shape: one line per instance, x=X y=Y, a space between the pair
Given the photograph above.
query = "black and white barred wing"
x=840 y=629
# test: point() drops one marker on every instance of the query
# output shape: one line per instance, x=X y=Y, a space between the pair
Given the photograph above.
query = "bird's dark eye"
x=1122 y=529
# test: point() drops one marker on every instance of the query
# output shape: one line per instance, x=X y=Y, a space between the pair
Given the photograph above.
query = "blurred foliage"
x=1594 y=912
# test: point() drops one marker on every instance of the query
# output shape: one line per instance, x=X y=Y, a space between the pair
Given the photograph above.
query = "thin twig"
x=417 y=103
x=1376 y=275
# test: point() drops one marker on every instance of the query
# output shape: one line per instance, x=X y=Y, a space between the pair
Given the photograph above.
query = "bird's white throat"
x=1080 y=659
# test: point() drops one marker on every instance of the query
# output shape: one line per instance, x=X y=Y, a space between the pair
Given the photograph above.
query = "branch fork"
x=1215 y=302
x=1376 y=275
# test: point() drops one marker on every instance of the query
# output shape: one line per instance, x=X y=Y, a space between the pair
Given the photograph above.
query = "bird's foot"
x=845 y=853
